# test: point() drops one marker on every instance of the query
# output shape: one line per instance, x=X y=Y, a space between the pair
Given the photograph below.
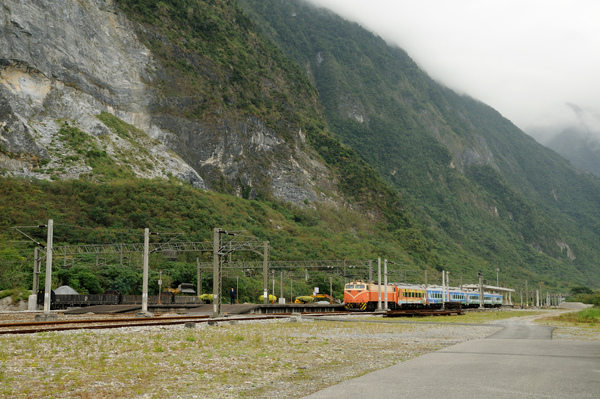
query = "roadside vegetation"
x=587 y=316
x=585 y=295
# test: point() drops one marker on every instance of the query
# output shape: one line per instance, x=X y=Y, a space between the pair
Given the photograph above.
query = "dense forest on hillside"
x=117 y=212
x=471 y=177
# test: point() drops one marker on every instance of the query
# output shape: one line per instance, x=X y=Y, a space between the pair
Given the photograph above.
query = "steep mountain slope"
x=183 y=90
x=470 y=175
x=212 y=105
x=179 y=90
x=580 y=147
x=578 y=141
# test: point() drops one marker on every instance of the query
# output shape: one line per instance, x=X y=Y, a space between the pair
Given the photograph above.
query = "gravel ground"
x=266 y=359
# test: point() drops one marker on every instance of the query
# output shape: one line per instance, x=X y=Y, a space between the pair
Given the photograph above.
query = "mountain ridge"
x=209 y=99
x=481 y=181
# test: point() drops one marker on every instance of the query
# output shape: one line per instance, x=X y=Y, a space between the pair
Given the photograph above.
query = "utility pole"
x=378 y=283
x=216 y=272
x=36 y=270
x=448 y=286
x=48 y=283
x=426 y=298
x=443 y=289
x=159 y=284
x=385 y=282
x=497 y=271
x=266 y=271
x=480 y=291
x=199 y=277
x=144 y=312
x=273 y=291
x=521 y=298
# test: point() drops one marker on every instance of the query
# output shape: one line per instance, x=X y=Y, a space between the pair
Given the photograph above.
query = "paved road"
x=520 y=361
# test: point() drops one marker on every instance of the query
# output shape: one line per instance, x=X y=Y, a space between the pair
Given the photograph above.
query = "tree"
x=581 y=290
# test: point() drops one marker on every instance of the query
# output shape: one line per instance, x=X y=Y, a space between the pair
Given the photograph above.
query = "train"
x=66 y=301
x=363 y=296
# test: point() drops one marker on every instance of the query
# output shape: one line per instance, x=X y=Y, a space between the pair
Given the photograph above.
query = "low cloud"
x=526 y=59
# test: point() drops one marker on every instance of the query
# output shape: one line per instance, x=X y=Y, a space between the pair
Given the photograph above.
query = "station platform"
x=104 y=309
x=252 y=308
x=207 y=309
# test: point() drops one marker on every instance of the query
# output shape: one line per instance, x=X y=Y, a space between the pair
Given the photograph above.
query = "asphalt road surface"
x=520 y=361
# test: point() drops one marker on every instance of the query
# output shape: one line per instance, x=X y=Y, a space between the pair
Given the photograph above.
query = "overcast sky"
x=525 y=58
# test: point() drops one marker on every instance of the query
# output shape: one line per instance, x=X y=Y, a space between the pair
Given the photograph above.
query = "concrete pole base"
x=32 y=302
x=46 y=317
x=144 y=314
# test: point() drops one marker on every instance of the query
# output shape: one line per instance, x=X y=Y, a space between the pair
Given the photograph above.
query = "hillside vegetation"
x=473 y=180
x=117 y=212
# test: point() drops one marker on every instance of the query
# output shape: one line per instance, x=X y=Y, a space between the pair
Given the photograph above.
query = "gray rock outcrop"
x=64 y=63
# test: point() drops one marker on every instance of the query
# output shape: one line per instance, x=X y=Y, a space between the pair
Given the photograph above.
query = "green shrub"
x=206 y=298
x=17 y=294
x=589 y=316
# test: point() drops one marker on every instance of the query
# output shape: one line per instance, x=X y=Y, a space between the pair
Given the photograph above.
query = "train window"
x=359 y=287
x=349 y=286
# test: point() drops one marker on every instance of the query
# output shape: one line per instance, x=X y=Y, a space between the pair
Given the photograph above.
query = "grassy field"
x=581 y=325
x=481 y=317
x=470 y=317
x=231 y=360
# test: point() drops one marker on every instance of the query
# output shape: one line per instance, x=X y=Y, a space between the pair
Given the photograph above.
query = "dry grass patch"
x=581 y=325
x=255 y=360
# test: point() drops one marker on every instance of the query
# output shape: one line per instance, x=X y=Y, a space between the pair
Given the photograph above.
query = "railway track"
x=97 y=324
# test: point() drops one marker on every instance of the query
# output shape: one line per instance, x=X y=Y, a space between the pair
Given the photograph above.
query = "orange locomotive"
x=360 y=295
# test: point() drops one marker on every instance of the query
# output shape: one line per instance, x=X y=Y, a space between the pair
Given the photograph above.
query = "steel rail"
x=146 y=322
x=88 y=321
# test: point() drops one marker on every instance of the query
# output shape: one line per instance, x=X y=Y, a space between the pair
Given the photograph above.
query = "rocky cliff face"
x=64 y=63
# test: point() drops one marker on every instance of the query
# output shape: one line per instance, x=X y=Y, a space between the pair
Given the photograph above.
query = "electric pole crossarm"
x=69 y=250
x=203 y=246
